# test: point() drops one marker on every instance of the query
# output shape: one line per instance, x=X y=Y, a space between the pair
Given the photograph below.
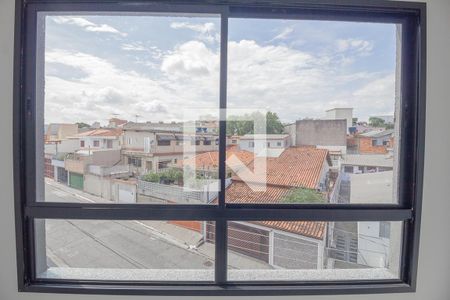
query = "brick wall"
x=365 y=147
x=192 y=225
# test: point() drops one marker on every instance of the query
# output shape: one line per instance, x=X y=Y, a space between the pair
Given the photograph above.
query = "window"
x=96 y=143
x=109 y=144
x=82 y=144
x=279 y=144
x=163 y=142
x=135 y=161
x=247 y=220
x=207 y=142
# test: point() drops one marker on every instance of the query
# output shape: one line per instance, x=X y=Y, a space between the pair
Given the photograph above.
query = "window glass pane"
x=313 y=111
x=124 y=250
x=125 y=105
x=308 y=251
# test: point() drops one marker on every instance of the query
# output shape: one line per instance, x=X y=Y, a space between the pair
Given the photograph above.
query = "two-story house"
x=154 y=146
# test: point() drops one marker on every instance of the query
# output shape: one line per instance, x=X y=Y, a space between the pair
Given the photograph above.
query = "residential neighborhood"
x=334 y=160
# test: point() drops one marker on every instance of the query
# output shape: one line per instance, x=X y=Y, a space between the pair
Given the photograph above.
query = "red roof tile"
x=295 y=167
x=101 y=132
x=210 y=160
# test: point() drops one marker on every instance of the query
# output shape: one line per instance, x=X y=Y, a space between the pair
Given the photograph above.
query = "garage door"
x=62 y=175
x=126 y=194
x=76 y=181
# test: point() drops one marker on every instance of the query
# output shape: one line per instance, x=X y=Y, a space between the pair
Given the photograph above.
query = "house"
x=261 y=142
x=376 y=141
x=116 y=122
x=326 y=134
x=366 y=163
x=374 y=238
x=154 y=146
x=208 y=162
x=59 y=131
x=341 y=114
x=101 y=138
x=287 y=244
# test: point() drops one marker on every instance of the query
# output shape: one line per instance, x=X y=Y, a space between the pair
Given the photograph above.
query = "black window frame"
x=412 y=16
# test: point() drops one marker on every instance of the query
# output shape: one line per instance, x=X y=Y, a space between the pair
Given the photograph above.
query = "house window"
x=82 y=144
x=135 y=161
x=109 y=144
x=279 y=144
x=163 y=142
x=277 y=222
x=207 y=142
x=96 y=143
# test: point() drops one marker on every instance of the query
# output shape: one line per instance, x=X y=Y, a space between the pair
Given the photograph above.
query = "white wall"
x=434 y=265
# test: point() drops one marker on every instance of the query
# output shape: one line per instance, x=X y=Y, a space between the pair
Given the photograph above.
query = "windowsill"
x=208 y=275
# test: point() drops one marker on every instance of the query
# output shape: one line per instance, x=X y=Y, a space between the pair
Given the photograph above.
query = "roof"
x=211 y=159
x=52 y=128
x=370 y=160
x=340 y=108
x=149 y=126
x=101 y=132
x=371 y=187
x=295 y=167
x=264 y=136
x=239 y=192
x=378 y=133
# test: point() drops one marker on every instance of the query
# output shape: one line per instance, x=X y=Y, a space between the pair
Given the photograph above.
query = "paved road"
x=111 y=244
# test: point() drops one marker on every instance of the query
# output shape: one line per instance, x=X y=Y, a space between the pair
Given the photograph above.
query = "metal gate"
x=76 y=180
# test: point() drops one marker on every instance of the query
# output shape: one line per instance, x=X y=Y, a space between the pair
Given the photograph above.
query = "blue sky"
x=156 y=66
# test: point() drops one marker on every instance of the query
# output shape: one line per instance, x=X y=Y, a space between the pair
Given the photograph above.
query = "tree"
x=241 y=125
x=302 y=195
x=83 y=125
x=376 y=122
x=273 y=123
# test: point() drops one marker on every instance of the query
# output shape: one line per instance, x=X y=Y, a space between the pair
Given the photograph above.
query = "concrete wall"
x=434 y=265
x=321 y=132
x=97 y=185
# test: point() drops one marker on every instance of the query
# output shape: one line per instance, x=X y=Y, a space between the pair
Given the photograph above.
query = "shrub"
x=302 y=195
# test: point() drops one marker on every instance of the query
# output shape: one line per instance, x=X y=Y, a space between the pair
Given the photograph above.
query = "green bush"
x=302 y=195
x=151 y=177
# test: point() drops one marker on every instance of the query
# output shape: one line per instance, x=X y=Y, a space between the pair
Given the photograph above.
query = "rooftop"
x=264 y=136
x=370 y=160
x=295 y=167
x=376 y=187
x=377 y=133
x=211 y=159
x=111 y=132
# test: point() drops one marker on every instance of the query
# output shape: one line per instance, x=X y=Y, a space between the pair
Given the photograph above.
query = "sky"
x=153 y=67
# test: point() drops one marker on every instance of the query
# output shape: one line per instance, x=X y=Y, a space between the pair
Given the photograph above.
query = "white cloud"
x=87 y=25
x=355 y=45
x=133 y=47
x=107 y=90
x=190 y=59
x=294 y=83
x=207 y=31
x=284 y=34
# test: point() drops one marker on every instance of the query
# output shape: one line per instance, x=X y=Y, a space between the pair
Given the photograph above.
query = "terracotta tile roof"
x=314 y=230
x=239 y=192
x=210 y=160
x=295 y=167
x=101 y=132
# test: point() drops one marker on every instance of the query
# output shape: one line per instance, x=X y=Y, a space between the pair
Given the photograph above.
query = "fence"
x=179 y=194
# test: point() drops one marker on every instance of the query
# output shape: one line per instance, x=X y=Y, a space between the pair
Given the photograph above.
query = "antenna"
x=137 y=116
